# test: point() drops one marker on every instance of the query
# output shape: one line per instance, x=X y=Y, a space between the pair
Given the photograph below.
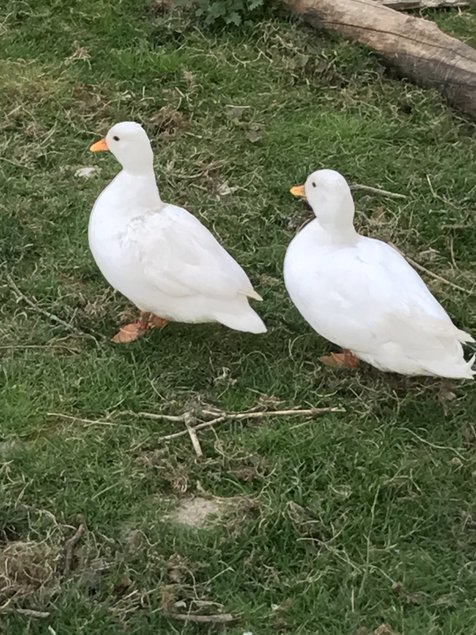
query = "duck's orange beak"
x=99 y=146
x=298 y=190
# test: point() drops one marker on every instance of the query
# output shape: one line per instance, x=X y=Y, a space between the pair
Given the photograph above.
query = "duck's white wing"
x=377 y=297
x=182 y=258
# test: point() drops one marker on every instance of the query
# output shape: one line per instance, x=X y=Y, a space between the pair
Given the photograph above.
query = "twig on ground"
x=14 y=347
x=436 y=276
x=103 y=422
x=300 y=425
x=241 y=416
x=51 y=316
x=433 y=445
x=27 y=612
x=376 y=190
x=70 y=546
x=152 y=415
x=187 y=418
x=90 y=422
x=193 y=436
x=220 y=618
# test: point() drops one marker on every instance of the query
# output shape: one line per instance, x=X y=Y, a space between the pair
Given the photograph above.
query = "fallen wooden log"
x=417 y=48
x=411 y=5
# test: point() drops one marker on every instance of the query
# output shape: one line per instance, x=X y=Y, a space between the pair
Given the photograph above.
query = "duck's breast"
x=114 y=234
x=315 y=275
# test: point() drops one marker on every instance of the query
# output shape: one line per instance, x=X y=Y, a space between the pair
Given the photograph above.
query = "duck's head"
x=129 y=143
x=329 y=195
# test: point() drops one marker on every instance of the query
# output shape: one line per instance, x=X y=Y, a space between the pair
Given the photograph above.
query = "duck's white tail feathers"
x=463 y=370
x=252 y=294
x=464 y=337
x=243 y=318
x=432 y=346
x=446 y=358
x=451 y=362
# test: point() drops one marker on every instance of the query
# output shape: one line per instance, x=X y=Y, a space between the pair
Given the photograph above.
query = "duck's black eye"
x=116 y=138
x=313 y=184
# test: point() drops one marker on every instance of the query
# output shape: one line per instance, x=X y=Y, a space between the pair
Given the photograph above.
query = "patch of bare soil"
x=199 y=512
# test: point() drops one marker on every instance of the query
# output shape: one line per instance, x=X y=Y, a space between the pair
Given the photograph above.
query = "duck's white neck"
x=129 y=195
x=335 y=216
x=329 y=236
x=140 y=167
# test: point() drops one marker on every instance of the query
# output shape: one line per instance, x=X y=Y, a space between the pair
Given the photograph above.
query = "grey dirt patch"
x=198 y=512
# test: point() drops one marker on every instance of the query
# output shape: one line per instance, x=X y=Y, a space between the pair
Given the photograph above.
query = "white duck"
x=362 y=295
x=158 y=255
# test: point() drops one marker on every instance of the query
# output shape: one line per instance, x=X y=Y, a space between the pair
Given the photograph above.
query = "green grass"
x=344 y=523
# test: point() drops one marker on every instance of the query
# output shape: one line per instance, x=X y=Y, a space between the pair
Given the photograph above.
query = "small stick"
x=47 y=314
x=438 y=277
x=70 y=546
x=221 y=618
x=188 y=417
x=240 y=416
x=90 y=422
x=14 y=347
x=434 y=445
x=300 y=425
x=153 y=415
x=193 y=437
x=80 y=419
x=28 y=612
x=376 y=190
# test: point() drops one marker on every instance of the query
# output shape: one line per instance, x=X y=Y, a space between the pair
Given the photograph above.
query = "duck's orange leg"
x=346 y=359
x=132 y=331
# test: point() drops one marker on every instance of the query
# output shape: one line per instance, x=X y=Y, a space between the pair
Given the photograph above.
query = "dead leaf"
x=446 y=600
x=169 y=120
x=269 y=281
x=87 y=172
x=224 y=189
x=246 y=474
x=254 y=133
x=160 y=7
x=412 y=598
x=383 y=629
x=236 y=112
x=469 y=435
x=134 y=540
x=189 y=77
x=378 y=215
x=445 y=393
x=79 y=53
x=306 y=522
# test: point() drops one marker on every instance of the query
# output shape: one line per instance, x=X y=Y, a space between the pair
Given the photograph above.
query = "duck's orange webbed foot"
x=157 y=322
x=127 y=333
x=130 y=332
x=346 y=359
